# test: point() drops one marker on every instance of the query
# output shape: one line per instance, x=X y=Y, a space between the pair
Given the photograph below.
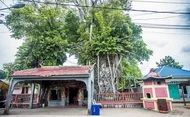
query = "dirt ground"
x=178 y=111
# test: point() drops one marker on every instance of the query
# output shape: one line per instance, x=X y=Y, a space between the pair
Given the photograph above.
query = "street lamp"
x=16 y=6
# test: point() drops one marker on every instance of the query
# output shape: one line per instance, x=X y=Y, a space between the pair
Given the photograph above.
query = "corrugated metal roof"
x=3 y=84
x=156 y=78
x=54 y=71
x=154 y=75
x=172 y=71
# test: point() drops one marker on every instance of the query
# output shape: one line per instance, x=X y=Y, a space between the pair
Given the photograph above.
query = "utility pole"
x=91 y=27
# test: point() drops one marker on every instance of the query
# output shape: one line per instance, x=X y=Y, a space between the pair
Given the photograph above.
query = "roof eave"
x=181 y=77
x=158 y=78
x=54 y=76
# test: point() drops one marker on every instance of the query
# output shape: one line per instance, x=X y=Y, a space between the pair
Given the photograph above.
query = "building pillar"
x=32 y=96
x=89 y=96
x=13 y=82
x=39 y=92
x=92 y=90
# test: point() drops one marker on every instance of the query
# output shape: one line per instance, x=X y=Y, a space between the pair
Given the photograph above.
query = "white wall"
x=17 y=90
x=188 y=91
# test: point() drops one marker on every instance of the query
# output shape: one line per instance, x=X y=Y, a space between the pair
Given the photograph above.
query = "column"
x=32 y=96
x=89 y=96
x=9 y=96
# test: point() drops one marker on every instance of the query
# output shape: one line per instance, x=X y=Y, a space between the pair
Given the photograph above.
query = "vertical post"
x=92 y=90
x=32 y=96
x=183 y=96
x=8 y=103
x=89 y=96
x=123 y=98
x=39 y=92
x=135 y=83
x=16 y=98
x=98 y=75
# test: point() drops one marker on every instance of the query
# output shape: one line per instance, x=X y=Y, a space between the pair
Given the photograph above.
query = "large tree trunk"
x=108 y=73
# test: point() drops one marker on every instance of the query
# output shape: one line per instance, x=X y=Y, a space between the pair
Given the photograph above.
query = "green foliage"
x=169 y=61
x=130 y=68
x=130 y=71
x=44 y=36
x=113 y=33
x=9 y=68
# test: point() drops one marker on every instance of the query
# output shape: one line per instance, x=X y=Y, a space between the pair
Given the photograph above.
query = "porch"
x=58 y=86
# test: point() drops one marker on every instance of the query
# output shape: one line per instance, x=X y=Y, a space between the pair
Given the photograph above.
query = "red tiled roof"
x=54 y=71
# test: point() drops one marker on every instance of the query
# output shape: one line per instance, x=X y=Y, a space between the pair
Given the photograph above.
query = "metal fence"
x=123 y=100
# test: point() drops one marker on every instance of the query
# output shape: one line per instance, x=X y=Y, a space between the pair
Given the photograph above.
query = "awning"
x=186 y=83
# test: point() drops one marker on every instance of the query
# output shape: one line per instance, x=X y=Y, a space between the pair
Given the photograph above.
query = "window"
x=159 y=82
x=55 y=95
x=148 y=95
x=185 y=90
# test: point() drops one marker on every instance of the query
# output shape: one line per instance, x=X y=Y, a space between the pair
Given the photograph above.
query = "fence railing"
x=118 y=97
x=24 y=98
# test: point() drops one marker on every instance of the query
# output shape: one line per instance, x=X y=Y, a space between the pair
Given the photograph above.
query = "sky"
x=8 y=45
x=163 y=42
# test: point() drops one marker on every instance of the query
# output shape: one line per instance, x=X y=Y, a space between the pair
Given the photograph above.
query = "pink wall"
x=148 y=82
x=161 y=92
x=148 y=105
x=148 y=90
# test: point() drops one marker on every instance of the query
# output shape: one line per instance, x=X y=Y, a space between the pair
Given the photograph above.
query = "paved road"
x=179 y=111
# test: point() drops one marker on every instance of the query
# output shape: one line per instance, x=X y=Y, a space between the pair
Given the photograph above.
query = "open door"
x=73 y=96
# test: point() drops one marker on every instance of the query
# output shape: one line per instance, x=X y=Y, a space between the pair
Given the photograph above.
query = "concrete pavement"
x=179 y=111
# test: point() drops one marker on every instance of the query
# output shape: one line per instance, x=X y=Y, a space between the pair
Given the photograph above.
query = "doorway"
x=55 y=95
x=73 y=91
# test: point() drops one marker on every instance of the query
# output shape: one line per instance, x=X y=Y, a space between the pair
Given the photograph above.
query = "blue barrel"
x=95 y=110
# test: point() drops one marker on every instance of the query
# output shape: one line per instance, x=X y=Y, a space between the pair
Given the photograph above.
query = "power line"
x=144 y=14
x=165 y=33
x=163 y=25
x=159 y=27
x=113 y=8
x=5 y=11
x=4 y=32
x=164 y=12
x=158 y=18
x=6 y=5
x=164 y=2
x=152 y=13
